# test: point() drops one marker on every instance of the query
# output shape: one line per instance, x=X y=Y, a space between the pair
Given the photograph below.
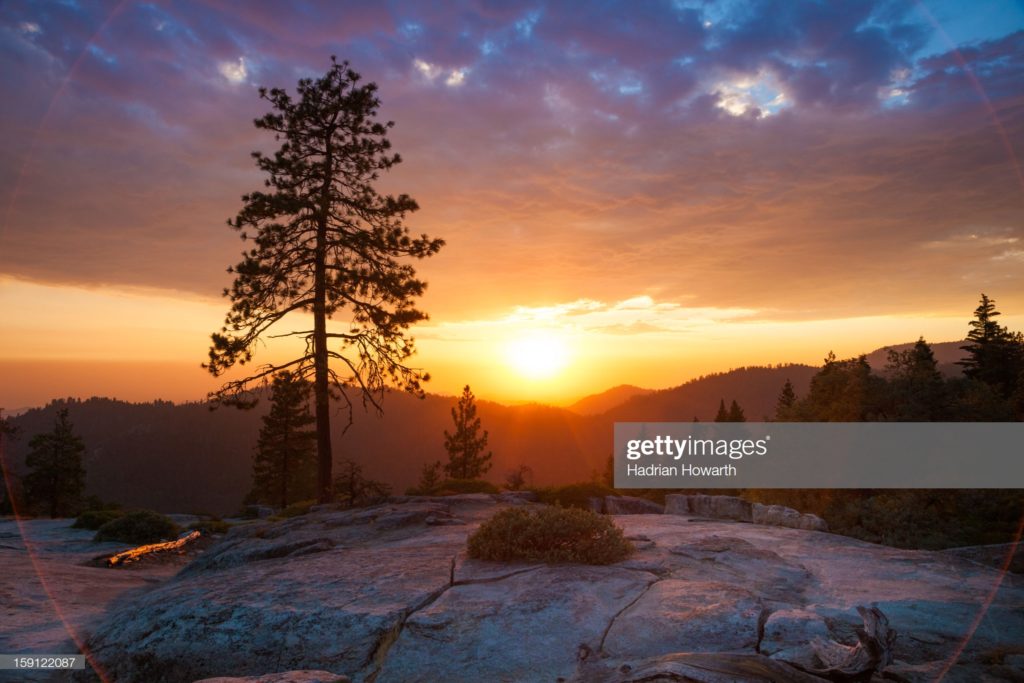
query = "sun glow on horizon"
x=538 y=355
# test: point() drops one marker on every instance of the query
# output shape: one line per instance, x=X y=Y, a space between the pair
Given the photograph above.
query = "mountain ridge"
x=187 y=458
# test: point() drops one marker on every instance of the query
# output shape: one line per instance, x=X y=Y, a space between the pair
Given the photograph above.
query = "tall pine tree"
x=284 y=463
x=328 y=245
x=466 y=445
x=995 y=355
x=57 y=477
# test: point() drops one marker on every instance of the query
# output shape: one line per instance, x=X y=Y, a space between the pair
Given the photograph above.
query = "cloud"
x=453 y=78
x=799 y=156
x=760 y=95
x=428 y=70
x=640 y=315
x=236 y=72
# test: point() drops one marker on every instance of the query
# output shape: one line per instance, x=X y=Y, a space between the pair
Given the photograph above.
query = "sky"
x=630 y=192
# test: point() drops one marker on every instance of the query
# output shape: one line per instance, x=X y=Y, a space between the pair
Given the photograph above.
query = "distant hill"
x=187 y=458
x=755 y=389
x=595 y=404
x=946 y=355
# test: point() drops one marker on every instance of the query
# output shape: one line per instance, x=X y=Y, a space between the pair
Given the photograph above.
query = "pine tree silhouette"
x=284 y=463
x=465 y=446
x=327 y=243
x=57 y=477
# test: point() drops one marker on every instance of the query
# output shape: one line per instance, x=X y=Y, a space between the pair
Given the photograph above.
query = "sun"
x=537 y=355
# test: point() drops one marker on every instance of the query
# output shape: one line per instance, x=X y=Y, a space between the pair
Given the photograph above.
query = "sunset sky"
x=631 y=192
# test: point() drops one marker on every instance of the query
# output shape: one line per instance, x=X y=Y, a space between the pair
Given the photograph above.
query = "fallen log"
x=133 y=554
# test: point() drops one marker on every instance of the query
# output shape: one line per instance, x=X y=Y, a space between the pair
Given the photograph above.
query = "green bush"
x=450 y=487
x=138 y=528
x=94 y=519
x=549 y=534
x=574 y=495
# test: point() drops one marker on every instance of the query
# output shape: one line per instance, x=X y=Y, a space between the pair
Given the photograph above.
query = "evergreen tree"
x=844 y=391
x=917 y=387
x=736 y=413
x=787 y=399
x=7 y=492
x=430 y=478
x=465 y=446
x=731 y=414
x=284 y=464
x=327 y=244
x=57 y=477
x=995 y=355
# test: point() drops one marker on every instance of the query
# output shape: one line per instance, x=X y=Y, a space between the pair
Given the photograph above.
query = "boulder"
x=630 y=505
x=775 y=515
x=713 y=507
x=809 y=522
x=778 y=515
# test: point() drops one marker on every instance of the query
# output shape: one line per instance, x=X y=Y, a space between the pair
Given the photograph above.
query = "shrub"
x=549 y=534
x=430 y=479
x=574 y=495
x=138 y=528
x=451 y=487
x=519 y=478
x=296 y=509
x=353 y=489
x=209 y=527
x=94 y=519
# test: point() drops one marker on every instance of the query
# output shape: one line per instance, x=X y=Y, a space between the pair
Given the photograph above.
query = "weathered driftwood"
x=873 y=652
x=133 y=554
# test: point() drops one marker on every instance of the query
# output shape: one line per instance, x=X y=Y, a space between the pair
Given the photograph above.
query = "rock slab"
x=383 y=595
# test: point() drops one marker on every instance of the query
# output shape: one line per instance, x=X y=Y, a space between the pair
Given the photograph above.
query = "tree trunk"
x=320 y=385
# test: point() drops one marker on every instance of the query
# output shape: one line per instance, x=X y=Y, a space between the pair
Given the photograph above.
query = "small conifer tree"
x=57 y=476
x=466 y=446
x=787 y=399
x=284 y=463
